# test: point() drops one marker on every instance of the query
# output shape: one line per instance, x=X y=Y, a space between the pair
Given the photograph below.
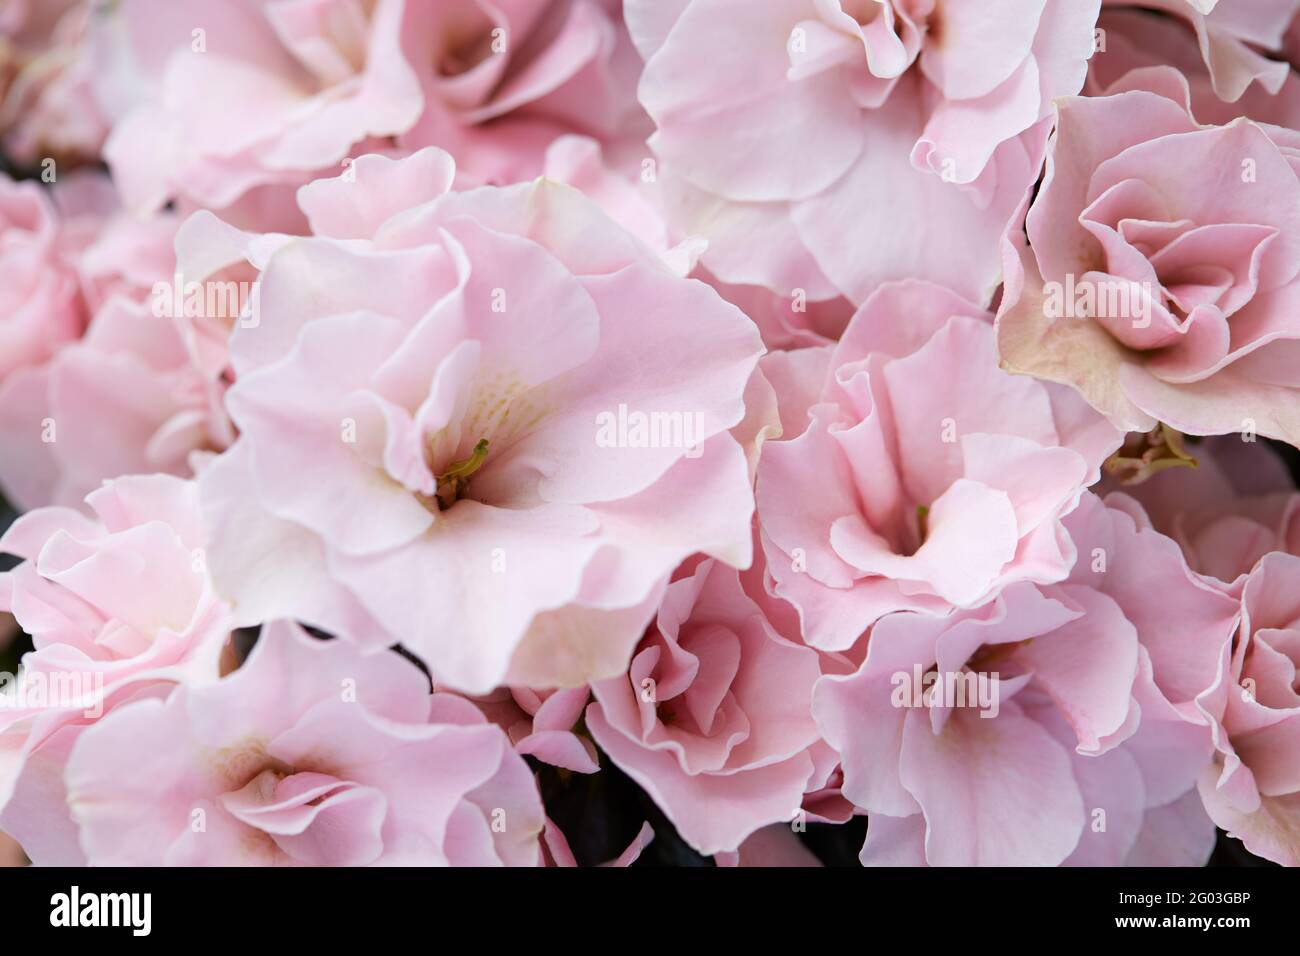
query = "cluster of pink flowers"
x=796 y=411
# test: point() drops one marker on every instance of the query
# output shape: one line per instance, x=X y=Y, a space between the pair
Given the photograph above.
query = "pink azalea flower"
x=310 y=754
x=1238 y=504
x=141 y=390
x=233 y=97
x=126 y=399
x=1061 y=722
x=912 y=472
x=115 y=604
x=1159 y=300
x=712 y=717
x=48 y=102
x=831 y=145
x=471 y=392
x=799 y=409
x=510 y=77
x=1230 y=35
x=1130 y=38
x=540 y=724
x=1252 y=789
x=40 y=303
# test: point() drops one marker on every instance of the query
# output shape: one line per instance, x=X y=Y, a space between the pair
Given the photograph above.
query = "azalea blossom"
x=219 y=103
x=612 y=433
x=309 y=754
x=1250 y=789
x=713 y=717
x=1230 y=35
x=447 y=387
x=939 y=479
x=1190 y=320
x=118 y=605
x=1089 y=716
x=813 y=142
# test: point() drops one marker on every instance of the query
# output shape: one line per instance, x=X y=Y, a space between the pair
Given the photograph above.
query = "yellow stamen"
x=453 y=481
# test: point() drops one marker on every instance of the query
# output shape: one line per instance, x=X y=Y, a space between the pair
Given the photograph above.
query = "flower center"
x=465 y=44
x=453 y=482
x=994 y=658
x=1143 y=455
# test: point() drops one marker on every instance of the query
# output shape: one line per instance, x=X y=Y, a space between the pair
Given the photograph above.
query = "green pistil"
x=1144 y=455
x=453 y=481
x=923 y=521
